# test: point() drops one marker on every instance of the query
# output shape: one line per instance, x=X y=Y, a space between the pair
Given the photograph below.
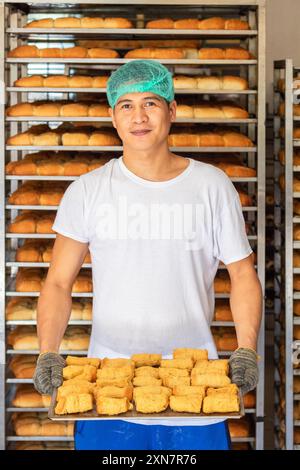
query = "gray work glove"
x=244 y=369
x=48 y=373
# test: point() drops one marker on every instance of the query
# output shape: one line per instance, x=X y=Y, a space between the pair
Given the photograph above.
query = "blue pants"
x=123 y=435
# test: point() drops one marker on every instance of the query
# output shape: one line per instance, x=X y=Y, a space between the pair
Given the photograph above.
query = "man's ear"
x=172 y=110
x=111 y=114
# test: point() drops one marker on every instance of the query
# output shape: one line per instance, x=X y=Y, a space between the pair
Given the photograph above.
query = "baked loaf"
x=27 y=397
x=225 y=338
x=191 y=23
x=192 y=137
x=84 y=22
x=211 y=110
x=296 y=109
x=210 y=83
x=25 y=337
x=59 y=108
x=62 y=81
x=76 y=52
x=32 y=280
x=55 y=164
x=296 y=183
x=23 y=366
x=296 y=157
x=38 y=424
x=185 y=53
x=222 y=311
x=33 y=222
x=39 y=251
x=222 y=283
x=66 y=135
x=24 y=308
x=239 y=427
x=39 y=193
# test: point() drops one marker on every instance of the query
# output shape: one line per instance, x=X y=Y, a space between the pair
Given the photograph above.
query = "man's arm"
x=245 y=301
x=55 y=301
x=246 y=307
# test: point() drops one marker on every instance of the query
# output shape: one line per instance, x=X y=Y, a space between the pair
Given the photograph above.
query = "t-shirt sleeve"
x=70 y=218
x=231 y=241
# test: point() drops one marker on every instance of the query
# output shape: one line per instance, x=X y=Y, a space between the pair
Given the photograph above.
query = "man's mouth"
x=141 y=132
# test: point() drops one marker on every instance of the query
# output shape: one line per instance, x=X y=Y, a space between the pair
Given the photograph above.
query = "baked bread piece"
x=194 y=354
x=109 y=373
x=84 y=22
x=155 y=53
x=222 y=311
x=37 y=251
x=33 y=222
x=148 y=403
x=179 y=363
x=38 y=193
x=217 y=366
x=75 y=386
x=142 y=359
x=84 y=372
x=82 y=361
x=38 y=424
x=151 y=390
x=112 y=406
x=116 y=362
x=59 y=108
x=222 y=283
x=221 y=403
x=146 y=371
x=74 y=403
x=23 y=366
x=25 y=337
x=193 y=23
x=32 y=280
x=146 y=380
x=174 y=381
x=186 y=403
x=58 y=53
x=114 y=392
x=210 y=380
x=182 y=137
x=27 y=397
x=239 y=428
x=215 y=53
x=172 y=372
x=231 y=388
x=114 y=382
x=225 y=339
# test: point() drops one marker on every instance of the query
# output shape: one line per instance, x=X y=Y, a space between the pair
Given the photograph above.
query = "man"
x=157 y=225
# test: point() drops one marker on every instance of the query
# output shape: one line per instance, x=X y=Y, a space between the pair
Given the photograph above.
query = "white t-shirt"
x=155 y=249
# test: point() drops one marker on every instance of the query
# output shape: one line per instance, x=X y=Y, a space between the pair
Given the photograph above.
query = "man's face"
x=143 y=120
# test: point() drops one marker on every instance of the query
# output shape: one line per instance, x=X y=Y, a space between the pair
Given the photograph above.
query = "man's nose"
x=139 y=115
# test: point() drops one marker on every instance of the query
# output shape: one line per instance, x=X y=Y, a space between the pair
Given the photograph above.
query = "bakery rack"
x=13 y=17
x=288 y=350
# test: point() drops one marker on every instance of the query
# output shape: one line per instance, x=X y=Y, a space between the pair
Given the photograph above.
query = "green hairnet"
x=140 y=76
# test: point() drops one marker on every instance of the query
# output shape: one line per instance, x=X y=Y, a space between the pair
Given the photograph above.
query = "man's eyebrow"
x=146 y=98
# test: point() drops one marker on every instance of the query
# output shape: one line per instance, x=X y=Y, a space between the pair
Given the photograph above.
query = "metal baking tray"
x=133 y=414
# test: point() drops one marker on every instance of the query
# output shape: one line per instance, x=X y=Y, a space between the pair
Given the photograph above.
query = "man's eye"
x=150 y=103
x=125 y=106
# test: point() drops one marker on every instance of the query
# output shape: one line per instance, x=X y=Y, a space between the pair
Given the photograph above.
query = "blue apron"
x=123 y=435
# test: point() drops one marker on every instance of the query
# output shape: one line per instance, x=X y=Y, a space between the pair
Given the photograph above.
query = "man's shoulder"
x=209 y=171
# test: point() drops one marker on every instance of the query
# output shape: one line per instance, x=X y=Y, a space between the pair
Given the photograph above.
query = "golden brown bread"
x=59 y=108
x=84 y=22
x=27 y=397
x=225 y=339
x=39 y=251
x=215 y=53
x=219 y=138
x=67 y=53
x=222 y=311
x=33 y=222
x=155 y=53
x=23 y=366
x=32 y=280
x=39 y=193
x=38 y=424
x=210 y=83
x=25 y=337
x=239 y=428
x=191 y=23
x=211 y=110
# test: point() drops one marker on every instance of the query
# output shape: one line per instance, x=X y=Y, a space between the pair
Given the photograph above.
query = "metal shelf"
x=181 y=91
x=107 y=119
x=79 y=60
x=116 y=148
x=131 y=31
x=254 y=10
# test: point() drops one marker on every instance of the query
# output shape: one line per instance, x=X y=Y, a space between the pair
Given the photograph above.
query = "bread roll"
x=155 y=53
x=43 y=23
x=114 y=23
x=68 y=22
x=24 y=51
x=222 y=311
x=32 y=222
x=99 y=52
x=222 y=283
x=223 y=54
x=38 y=424
x=297 y=281
x=50 y=53
x=27 y=397
x=297 y=307
x=239 y=427
x=23 y=366
x=30 y=81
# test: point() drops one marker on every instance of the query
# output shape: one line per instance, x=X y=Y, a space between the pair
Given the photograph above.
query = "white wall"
x=283 y=36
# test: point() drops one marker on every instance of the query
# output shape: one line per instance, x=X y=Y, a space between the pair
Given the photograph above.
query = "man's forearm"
x=246 y=307
x=53 y=312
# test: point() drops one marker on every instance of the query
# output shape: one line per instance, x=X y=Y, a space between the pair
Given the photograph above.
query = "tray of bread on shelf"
x=147 y=386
